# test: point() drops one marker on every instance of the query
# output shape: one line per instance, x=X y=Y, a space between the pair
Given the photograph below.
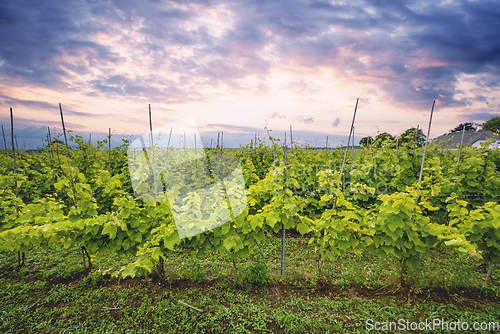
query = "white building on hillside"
x=472 y=138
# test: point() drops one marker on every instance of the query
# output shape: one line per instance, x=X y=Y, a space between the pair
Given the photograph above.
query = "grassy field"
x=52 y=293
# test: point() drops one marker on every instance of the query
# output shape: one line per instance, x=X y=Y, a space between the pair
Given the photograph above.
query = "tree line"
x=416 y=137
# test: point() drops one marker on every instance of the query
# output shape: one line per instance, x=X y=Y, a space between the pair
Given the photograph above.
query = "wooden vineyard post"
x=342 y=175
x=415 y=140
x=152 y=152
x=403 y=264
x=352 y=157
x=326 y=147
x=347 y=147
x=283 y=234
x=14 y=157
x=426 y=143
x=352 y=148
x=423 y=159
x=291 y=139
x=160 y=264
x=71 y=180
x=195 y=151
x=64 y=131
x=218 y=137
x=67 y=154
x=221 y=152
x=85 y=252
x=461 y=143
x=57 y=153
x=5 y=143
x=169 y=137
x=50 y=147
x=83 y=258
x=488 y=274
x=109 y=151
x=20 y=259
x=168 y=147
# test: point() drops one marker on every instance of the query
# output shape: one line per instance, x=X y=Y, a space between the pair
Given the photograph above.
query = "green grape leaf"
x=302 y=228
x=110 y=229
x=229 y=243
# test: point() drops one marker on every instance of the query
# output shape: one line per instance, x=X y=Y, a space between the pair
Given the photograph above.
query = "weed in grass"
x=63 y=272
x=257 y=271
x=192 y=270
x=173 y=276
x=92 y=280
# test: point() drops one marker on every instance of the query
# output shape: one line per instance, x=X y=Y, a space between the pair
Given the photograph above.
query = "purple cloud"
x=412 y=52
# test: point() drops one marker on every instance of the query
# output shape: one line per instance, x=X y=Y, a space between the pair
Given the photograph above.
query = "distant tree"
x=366 y=141
x=492 y=124
x=408 y=137
x=468 y=127
x=384 y=137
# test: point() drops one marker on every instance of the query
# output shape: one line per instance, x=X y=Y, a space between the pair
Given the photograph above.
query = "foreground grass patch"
x=52 y=293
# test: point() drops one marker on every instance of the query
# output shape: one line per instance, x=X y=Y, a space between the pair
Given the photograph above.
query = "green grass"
x=52 y=293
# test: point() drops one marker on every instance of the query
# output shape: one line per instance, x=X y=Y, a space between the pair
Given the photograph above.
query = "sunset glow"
x=237 y=66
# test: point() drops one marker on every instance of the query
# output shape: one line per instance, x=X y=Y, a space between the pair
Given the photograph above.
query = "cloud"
x=336 y=122
x=479 y=117
x=85 y=114
x=408 y=52
x=302 y=86
x=305 y=120
x=8 y=101
x=37 y=38
x=276 y=115
x=21 y=122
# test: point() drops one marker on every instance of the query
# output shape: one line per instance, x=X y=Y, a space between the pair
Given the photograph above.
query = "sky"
x=240 y=66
